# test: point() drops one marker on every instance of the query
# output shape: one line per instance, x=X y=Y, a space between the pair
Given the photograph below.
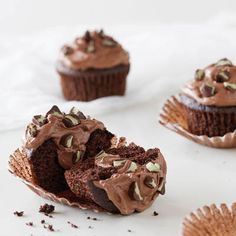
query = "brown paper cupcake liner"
x=92 y=84
x=172 y=117
x=65 y=198
x=211 y=221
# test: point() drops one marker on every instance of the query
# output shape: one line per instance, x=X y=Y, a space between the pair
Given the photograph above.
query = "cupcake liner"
x=208 y=120
x=65 y=198
x=91 y=84
x=211 y=220
x=172 y=117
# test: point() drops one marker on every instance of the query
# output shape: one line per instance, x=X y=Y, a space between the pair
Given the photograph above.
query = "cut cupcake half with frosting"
x=71 y=156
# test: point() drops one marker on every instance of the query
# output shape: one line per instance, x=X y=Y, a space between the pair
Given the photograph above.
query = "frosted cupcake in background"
x=93 y=66
x=205 y=109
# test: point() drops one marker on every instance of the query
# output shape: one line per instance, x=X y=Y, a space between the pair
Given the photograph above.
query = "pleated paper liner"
x=211 y=221
x=172 y=117
x=65 y=198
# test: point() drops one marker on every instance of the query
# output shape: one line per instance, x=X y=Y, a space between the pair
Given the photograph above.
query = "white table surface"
x=197 y=175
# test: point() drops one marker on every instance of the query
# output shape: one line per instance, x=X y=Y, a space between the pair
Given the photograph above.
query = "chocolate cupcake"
x=73 y=159
x=210 y=100
x=54 y=143
x=93 y=66
x=120 y=180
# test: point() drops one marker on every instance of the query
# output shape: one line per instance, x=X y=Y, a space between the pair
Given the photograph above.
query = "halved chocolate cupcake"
x=54 y=143
x=210 y=100
x=93 y=66
x=72 y=159
x=120 y=180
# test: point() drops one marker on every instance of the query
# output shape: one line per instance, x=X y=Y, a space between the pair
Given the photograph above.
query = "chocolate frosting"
x=93 y=51
x=56 y=130
x=118 y=185
x=223 y=95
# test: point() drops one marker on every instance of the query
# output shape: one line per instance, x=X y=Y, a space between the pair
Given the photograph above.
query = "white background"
x=25 y=16
x=188 y=35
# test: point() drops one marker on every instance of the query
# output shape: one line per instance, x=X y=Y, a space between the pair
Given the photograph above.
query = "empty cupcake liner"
x=212 y=221
x=172 y=117
x=65 y=198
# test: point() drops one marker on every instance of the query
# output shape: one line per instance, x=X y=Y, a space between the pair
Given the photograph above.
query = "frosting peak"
x=215 y=85
x=94 y=50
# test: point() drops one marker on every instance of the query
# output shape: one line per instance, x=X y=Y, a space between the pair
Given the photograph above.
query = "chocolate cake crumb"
x=50 y=216
x=19 y=213
x=49 y=227
x=42 y=221
x=72 y=225
x=155 y=213
x=129 y=230
x=29 y=223
x=46 y=208
x=88 y=218
x=94 y=218
x=90 y=227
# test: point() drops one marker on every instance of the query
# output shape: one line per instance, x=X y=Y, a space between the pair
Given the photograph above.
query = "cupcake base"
x=90 y=84
x=208 y=120
x=172 y=116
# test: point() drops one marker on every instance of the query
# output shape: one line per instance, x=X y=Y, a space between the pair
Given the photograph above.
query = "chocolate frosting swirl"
x=56 y=130
x=119 y=187
x=220 y=78
x=94 y=50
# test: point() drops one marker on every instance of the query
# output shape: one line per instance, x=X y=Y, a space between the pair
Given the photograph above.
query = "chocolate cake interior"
x=46 y=168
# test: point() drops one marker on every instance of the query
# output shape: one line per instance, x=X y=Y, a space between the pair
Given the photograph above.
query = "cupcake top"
x=69 y=131
x=94 y=50
x=215 y=85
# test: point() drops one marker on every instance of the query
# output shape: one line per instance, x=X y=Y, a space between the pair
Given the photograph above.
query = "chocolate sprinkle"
x=72 y=225
x=87 y=36
x=49 y=227
x=155 y=213
x=77 y=112
x=230 y=86
x=42 y=221
x=67 y=50
x=207 y=90
x=67 y=141
x=222 y=76
x=54 y=111
x=32 y=130
x=150 y=182
x=29 y=224
x=199 y=74
x=71 y=120
x=134 y=192
x=19 y=213
x=39 y=120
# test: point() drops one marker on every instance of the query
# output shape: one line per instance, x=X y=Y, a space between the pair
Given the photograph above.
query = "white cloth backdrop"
x=163 y=57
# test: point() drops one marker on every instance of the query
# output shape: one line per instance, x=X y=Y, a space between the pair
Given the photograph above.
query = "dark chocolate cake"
x=54 y=143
